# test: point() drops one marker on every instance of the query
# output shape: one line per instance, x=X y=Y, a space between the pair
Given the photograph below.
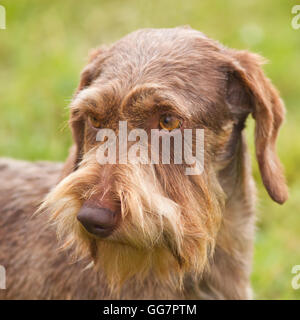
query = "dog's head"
x=139 y=217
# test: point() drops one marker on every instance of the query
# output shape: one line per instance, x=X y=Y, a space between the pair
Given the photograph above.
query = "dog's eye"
x=169 y=122
x=94 y=121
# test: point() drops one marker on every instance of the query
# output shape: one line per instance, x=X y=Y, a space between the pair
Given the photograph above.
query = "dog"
x=135 y=230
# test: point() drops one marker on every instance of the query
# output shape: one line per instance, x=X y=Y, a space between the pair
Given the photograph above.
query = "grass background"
x=45 y=45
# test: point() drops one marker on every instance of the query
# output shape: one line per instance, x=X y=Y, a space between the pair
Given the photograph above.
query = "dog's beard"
x=167 y=229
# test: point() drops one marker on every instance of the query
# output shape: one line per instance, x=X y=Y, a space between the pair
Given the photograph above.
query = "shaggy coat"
x=172 y=235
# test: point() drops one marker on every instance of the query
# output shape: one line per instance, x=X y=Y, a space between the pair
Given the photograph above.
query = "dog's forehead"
x=182 y=63
x=157 y=38
x=161 y=53
x=182 y=59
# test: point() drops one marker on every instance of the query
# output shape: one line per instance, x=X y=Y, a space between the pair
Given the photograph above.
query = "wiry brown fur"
x=180 y=236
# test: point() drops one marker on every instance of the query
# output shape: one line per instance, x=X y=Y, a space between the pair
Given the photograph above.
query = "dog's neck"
x=233 y=247
x=235 y=177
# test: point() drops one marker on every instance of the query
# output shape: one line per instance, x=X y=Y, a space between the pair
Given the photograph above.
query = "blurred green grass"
x=45 y=46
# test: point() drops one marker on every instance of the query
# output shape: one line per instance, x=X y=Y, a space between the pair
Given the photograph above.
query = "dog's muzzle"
x=98 y=221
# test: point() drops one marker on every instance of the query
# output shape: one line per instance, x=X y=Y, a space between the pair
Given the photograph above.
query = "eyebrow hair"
x=86 y=101
x=159 y=100
x=86 y=96
x=154 y=99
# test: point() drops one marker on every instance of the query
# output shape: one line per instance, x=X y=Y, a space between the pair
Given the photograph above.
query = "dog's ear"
x=76 y=151
x=77 y=125
x=250 y=91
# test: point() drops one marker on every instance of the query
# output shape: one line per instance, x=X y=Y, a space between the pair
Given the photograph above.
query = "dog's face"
x=138 y=218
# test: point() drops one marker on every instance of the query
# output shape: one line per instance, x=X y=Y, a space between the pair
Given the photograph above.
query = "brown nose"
x=98 y=221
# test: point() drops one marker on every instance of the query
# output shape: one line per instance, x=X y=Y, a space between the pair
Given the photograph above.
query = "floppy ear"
x=250 y=91
x=89 y=73
x=76 y=151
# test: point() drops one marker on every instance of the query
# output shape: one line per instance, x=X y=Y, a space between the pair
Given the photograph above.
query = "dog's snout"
x=98 y=221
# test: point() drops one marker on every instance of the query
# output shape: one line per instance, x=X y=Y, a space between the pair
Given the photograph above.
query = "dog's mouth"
x=99 y=231
x=108 y=236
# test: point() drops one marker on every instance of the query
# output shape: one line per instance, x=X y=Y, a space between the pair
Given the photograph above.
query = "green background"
x=45 y=46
